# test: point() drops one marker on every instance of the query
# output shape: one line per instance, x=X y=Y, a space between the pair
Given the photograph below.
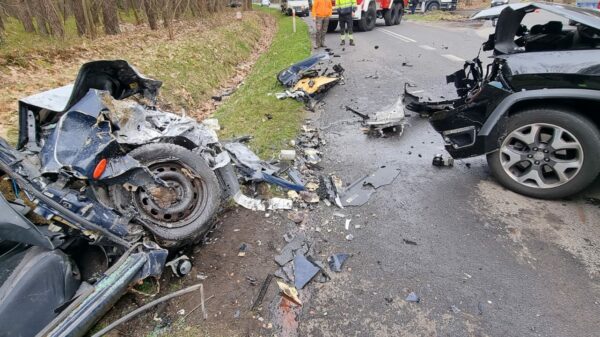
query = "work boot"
x=352 y=43
x=343 y=43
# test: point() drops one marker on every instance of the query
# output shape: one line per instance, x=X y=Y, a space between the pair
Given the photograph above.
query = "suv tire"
x=550 y=166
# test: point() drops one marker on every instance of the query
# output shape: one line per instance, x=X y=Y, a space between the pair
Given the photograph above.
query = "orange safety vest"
x=322 y=8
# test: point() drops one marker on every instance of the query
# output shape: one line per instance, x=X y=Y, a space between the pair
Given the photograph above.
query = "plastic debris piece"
x=349 y=237
x=287 y=155
x=293 y=195
x=287 y=253
x=412 y=297
x=289 y=291
x=409 y=242
x=347 y=224
x=249 y=203
x=309 y=197
x=280 y=203
x=441 y=161
x=295 y=176
x=384 y=175
x=304 y=271
x=311 y=186
x=336 y=262
x=454 y=309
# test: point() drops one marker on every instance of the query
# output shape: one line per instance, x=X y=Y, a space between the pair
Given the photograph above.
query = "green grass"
x=245 y=112
x=435 y=16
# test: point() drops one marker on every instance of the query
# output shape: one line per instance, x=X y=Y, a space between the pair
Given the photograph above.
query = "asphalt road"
x=487 y=262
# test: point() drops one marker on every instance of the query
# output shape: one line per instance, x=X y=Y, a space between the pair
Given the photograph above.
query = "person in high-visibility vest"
x=345 y=9
x=321 y=11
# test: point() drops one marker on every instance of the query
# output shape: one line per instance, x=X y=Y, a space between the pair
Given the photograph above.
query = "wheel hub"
x=171 y=204
x=541 y=155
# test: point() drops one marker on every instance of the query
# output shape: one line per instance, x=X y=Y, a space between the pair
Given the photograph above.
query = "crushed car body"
x=115 y=183
x=531 y=67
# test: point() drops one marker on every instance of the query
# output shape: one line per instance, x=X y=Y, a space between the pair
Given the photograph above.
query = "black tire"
x=581 y=128
x=434 y=6
x=195 y=181
x=388 y=16
x=333 y=24
x=368 y=19
x=398 y=13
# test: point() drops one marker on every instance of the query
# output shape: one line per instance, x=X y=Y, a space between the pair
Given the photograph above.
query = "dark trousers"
x=346 y=23
x=413 y=7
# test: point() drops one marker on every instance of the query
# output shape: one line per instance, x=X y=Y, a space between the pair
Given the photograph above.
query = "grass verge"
x=252 y=110
x=433 y=16
x=203 y=55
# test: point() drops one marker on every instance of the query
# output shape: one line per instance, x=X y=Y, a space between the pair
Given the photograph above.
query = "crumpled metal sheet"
x=244 y=156
x=290 y=76
x=390 y=116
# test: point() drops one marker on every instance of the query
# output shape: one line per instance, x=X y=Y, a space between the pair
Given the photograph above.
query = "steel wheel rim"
x=188 y=191
x=541 y=155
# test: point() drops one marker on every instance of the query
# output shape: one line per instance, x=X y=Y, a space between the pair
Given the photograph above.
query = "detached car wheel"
x=547 y=153
x=180 y=213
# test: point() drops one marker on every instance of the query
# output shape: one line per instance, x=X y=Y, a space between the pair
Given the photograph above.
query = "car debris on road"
x=309 y=79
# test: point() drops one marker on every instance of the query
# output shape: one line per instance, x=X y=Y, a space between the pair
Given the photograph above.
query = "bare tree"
x=22 y=11
x=79 y=13
x=110 y=17
x=151 y=14
x=134 y=6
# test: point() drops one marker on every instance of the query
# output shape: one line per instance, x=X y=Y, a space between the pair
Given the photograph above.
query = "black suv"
x=535 y=111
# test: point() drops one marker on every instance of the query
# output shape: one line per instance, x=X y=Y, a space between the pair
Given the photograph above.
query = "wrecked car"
x=114 y=182
x=533 y=110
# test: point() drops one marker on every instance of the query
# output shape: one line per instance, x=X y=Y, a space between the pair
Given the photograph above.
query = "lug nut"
x=546 y=159
x=535 y=149
x=529 y=156
x=536 y=162
x=546 y=151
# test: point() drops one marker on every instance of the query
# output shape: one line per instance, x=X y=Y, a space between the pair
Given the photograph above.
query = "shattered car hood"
x=586 y=16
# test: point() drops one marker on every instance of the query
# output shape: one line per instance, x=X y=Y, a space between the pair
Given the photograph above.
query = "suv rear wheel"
x=547 y=153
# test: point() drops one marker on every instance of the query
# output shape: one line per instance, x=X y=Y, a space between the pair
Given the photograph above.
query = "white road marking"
x=426 y=47
x=453 y=58
x=396 y=35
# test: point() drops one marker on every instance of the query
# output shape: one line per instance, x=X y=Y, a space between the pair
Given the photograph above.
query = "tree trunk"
x=79 y=14
x=55 y=23
x=134 y=7
x=110 y=17
x=89 y=20
x=95 y=10
x=23 y=13
x=150 y=9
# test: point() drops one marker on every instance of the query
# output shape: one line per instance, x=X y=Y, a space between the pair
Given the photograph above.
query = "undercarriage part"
x=60 y=209
x=180 y=212
x=180 y=266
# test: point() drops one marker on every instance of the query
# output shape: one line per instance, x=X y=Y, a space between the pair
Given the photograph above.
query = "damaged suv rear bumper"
x=460 y=122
